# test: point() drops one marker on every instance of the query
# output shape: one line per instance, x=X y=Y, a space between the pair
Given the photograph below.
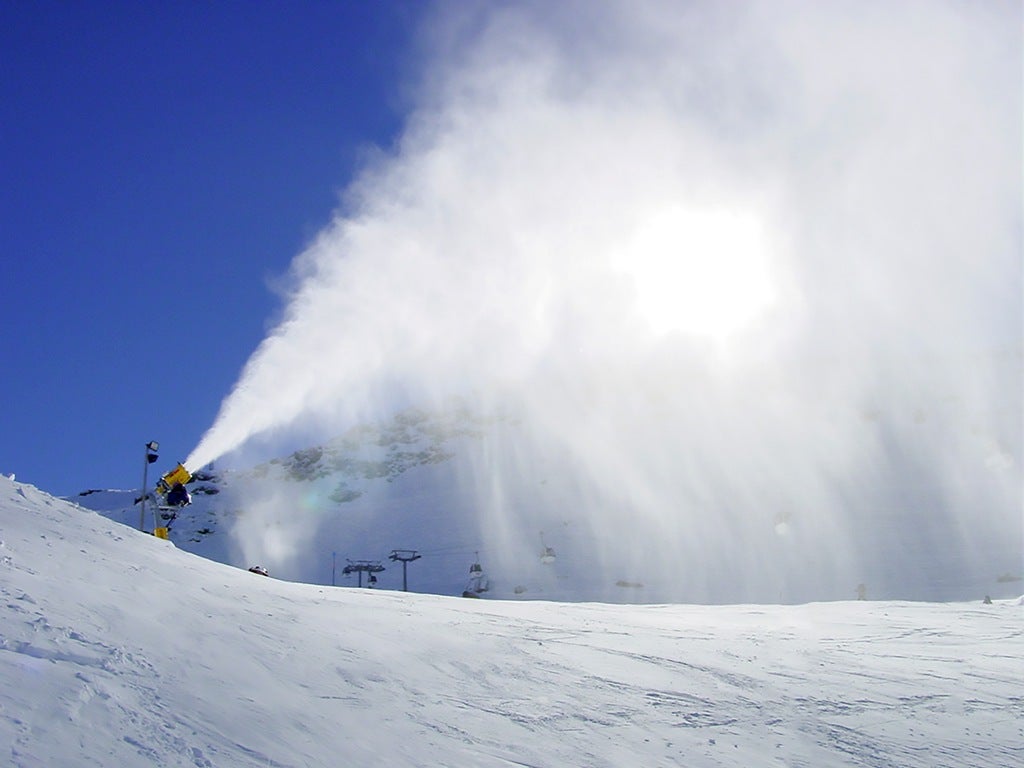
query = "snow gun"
x=171 y=487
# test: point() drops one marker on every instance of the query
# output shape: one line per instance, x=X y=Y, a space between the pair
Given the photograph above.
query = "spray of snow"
x=753 y=272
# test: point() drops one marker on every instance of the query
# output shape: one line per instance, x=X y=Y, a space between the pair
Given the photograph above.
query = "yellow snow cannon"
x=171 y=487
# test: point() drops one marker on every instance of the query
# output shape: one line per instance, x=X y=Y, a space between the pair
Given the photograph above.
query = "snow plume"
x=274 y=529
x=751 y=271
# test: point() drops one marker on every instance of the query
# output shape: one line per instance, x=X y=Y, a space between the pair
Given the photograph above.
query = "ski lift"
x=547 y=554
x=369 y=567
x=477 y=581
x=476 y=570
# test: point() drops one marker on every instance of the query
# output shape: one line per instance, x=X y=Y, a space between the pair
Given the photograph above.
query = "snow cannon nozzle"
x=177 y=475
x=171 y=487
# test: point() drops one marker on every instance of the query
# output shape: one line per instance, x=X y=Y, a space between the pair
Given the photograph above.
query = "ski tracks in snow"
x=803 y=693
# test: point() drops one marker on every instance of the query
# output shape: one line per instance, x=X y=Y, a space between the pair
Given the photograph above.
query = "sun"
x=705 y=272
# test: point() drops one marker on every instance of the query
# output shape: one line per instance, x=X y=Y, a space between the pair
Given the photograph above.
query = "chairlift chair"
x=477 y=582
x=547 y=554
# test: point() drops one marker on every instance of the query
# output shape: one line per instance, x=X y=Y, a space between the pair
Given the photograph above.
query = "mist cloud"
x=830 y=192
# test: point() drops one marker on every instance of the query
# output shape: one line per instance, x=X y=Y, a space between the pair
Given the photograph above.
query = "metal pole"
x=145 y=485
x=334 y=563
x=406 y=556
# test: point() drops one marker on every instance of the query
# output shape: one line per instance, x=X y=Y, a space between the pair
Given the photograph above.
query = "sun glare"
x=699 y=271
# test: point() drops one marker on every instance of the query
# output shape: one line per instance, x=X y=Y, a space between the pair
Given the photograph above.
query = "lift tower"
x=405 y=556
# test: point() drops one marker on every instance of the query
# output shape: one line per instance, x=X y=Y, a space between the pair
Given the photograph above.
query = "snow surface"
x=119 y=649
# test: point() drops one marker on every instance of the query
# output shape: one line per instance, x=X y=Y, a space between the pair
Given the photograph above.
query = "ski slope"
x=120 y=649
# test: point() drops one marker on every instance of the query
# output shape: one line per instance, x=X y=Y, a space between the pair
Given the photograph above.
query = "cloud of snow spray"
x=750 y=273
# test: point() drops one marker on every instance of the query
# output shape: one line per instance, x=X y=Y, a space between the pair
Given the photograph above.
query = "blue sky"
x=162 y=165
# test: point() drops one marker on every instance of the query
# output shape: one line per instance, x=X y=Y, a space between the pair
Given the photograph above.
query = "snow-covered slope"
x=117 y=648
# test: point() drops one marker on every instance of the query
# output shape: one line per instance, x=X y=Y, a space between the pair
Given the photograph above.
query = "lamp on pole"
x=151 y=448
